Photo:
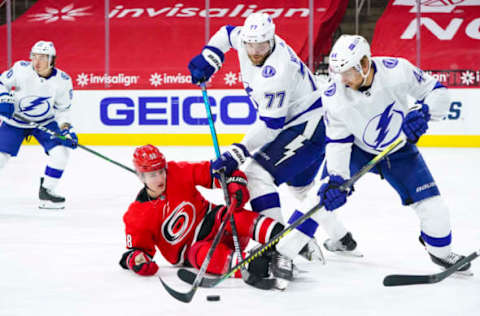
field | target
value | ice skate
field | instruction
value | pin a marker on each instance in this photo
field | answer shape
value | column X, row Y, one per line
column 450, row 260
column 345, row 246
column 312, row 252
column 282, row 269
column 49, row 200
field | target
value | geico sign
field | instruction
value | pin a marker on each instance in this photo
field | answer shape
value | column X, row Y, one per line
column 472, row 29
column 162, row 110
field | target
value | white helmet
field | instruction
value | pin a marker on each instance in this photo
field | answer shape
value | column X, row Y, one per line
column 258, row 27
column 45, row 48
column 347, row 52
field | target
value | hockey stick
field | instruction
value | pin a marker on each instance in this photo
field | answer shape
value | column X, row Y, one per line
column 223, row 181
column 49, row 131
column 188, row 296
column 408, row 279
column 186, row 275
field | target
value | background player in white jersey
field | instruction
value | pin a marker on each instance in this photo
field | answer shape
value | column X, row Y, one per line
column 287, row 141
column 38, row 92
column 366, row 110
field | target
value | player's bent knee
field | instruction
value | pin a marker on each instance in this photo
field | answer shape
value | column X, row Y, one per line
column 58, row 157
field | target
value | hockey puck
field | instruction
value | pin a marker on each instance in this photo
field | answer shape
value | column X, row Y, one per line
column 213, row 298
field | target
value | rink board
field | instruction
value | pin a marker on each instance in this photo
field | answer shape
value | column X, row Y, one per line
column 178, row 118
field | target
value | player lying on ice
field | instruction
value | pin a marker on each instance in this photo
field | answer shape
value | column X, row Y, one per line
column 170, row 213
column 366, row 110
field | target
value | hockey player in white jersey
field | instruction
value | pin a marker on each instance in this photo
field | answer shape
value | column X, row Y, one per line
column 38, row 92
column 367, row 108
column 287, row 141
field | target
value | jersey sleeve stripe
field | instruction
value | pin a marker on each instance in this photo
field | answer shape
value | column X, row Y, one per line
column 312, row 82
column 348, row 139
column 438, row 85
column 273, row 122
column 229, row 29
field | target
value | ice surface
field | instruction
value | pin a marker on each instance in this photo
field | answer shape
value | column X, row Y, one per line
column 66, row 262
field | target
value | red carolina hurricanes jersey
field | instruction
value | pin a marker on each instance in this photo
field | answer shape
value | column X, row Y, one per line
column 170, row 221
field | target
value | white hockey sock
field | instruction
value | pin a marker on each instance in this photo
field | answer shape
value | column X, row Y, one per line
column 58, row 157
column 435, row 224
column 264, row 197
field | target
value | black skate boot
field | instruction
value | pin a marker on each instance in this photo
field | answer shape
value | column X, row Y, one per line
column 282, row 269
column 448, row 261
column 345, row 246
column 48, row 199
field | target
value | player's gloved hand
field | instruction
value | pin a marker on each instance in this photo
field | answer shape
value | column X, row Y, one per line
column 7, row 105
column 237, row 189
column 71, row 139
column 330, row 194
column 229, row 161
column 139, row 262
column 415, row 123
column 203, row 66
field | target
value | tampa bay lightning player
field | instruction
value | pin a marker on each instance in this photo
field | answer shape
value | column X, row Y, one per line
column 367, row 108
column 38, row 92
column 287, row 140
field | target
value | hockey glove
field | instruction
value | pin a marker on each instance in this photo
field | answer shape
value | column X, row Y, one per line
column 230, row 160
column 203, row 66
column 415, row 123
column 237, row 189
column 7, row 105
column 71, row 139
column 139, row 262
column 330, row 194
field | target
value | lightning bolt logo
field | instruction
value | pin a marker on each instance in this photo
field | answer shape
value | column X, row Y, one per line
column 295, row 144
column 383, row 123
column 35, row 103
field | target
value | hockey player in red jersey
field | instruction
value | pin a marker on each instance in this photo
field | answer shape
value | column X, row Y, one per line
column 170, row 214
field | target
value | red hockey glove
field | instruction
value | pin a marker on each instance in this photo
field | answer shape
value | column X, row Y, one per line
column 140, row 263
column 237, row 188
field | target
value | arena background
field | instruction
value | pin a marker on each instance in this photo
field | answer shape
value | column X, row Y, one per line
column 128, row 59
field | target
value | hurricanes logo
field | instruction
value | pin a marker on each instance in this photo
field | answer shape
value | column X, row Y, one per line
column 179, row 223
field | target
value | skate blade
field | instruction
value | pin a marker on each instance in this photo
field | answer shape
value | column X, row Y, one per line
column 48, row 205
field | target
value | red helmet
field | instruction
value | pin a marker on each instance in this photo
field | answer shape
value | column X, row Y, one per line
column 148, row 158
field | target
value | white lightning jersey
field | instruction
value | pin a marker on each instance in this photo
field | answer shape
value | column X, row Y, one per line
column 280, row 89
column 372, row 119
column 38, row 99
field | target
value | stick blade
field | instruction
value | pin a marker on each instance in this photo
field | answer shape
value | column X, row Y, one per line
column 183, row 297
column 403, row 279
column 189, row 277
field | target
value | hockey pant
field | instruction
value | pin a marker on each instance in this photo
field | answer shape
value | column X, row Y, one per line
column 11, row 138
column 249, row 225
